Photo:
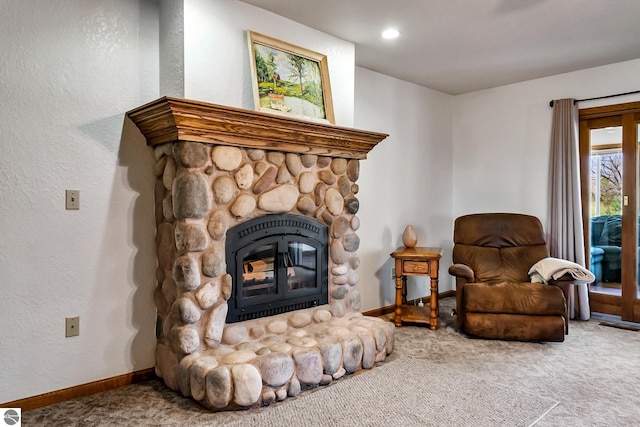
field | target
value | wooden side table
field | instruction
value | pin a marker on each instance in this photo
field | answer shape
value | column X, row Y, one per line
column 416, row 261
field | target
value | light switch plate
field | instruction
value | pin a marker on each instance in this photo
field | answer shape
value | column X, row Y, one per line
column 72, row 199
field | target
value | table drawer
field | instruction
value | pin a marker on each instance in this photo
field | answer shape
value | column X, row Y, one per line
column 415, row 267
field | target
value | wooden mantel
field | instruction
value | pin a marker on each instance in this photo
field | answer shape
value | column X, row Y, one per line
column 173, row 119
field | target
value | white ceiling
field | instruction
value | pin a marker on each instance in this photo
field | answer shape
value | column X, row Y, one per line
column 458, row 46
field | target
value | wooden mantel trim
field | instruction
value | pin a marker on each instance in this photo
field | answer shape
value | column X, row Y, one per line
column 173, row 119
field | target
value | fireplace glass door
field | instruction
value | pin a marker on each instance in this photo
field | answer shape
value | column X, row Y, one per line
column 301, row 266
column 258, row 276
column 277, row 266
column 265, row 264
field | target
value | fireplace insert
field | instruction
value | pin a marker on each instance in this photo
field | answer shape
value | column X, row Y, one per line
column 279, row 263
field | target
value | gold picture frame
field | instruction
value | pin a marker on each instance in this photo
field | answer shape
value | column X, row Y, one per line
column 289, row 80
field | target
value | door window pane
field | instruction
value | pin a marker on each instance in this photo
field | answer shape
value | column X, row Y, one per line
column 606, row 209
column 606, row 171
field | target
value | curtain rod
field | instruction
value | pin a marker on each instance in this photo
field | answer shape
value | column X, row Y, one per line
column 599, row 97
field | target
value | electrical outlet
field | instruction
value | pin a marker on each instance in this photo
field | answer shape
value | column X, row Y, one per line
column 72, row 199
column 72, row 326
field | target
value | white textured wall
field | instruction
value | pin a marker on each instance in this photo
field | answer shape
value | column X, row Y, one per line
column 406, row 179
column 69, row 72
column 171, row 39
column 217, row 66
column 502, row 137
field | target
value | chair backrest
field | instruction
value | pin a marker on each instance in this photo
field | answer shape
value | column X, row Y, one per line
column 597, row 225
column 499, row 246
column 610, row 227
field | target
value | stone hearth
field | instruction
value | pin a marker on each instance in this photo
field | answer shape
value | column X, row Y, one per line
column 217, row 167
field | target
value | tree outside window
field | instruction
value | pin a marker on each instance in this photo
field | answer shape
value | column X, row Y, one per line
column 606, row 183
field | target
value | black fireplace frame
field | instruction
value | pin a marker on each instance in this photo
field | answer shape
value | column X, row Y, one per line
column 278, row 229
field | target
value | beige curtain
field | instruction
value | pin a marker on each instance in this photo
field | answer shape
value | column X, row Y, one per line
column 565, row 231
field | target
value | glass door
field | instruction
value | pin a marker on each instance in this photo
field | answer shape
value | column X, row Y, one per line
column 609, row 168
column 605, row 209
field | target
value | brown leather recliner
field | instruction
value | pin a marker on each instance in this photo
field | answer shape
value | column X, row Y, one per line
column 492, row 255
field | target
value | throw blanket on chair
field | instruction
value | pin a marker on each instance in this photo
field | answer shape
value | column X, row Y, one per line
column 554, row 268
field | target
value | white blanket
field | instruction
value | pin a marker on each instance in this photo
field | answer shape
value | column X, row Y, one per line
column 548, row 268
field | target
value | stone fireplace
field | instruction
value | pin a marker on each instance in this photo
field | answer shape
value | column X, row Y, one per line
column 257, row 293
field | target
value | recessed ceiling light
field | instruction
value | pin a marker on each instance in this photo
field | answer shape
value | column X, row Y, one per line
column 390, row 33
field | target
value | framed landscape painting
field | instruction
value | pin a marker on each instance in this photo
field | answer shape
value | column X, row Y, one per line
column 289, row 80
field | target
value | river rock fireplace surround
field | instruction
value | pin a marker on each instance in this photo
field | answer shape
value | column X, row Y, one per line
column 222, row 174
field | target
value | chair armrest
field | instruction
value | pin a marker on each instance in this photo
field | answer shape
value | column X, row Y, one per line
column 463, row 274
column 463, row 271
column 564, row 283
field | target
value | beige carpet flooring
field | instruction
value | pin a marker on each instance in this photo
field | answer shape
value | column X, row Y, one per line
column 594, row 374
column 409, row 392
